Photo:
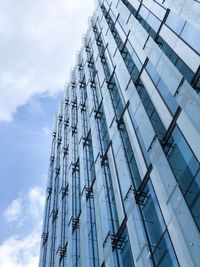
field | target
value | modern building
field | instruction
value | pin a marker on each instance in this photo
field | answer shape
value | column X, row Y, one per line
column 124, row 176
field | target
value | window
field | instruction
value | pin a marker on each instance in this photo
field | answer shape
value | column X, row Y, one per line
column 162, row 88
column 186, row 170
column 175, row 22
column 126, row 254
column 191, row 35
column 160, row 243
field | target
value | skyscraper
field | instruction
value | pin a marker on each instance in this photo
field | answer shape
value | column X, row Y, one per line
column 124, row 174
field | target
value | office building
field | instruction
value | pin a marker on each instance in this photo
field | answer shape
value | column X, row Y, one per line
column 124, row 176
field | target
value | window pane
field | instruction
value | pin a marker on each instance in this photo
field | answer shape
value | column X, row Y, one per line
column 192, row 36
column 175, row 22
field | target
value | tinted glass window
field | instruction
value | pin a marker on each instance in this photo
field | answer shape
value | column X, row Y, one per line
column 167, row 96
column 158, row 235
column 186, row 170
column 192, row 36
column 193, row 198
column 153, row 22
column 175, row 22
column 144, row 12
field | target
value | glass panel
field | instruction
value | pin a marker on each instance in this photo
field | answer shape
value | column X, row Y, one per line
column 160, row 244
column 126, row 253
column 185, row 167
column 167, row 96
column 192, row 36
column 193, row 198
column 144, row 12
column 175, row 22
column 162, row 88
column 151, row 111
column 153, row 22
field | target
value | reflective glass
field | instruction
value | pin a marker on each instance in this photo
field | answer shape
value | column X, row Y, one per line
column 159, row 242
column 175, row 22
column 153, row 22
column 185, row 167
column 192, row 36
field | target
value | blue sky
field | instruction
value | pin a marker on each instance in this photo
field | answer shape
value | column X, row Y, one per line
column 37, row 49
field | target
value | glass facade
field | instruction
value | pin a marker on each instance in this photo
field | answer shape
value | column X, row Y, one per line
column 124, row 176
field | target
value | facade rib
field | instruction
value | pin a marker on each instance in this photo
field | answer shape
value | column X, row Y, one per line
column 124, row 175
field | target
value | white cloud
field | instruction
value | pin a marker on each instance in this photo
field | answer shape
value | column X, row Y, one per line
column 26, row 207
column 20, row 252
column 23, row 250
column 39, row 40
column 36, row 203
column 13, row 211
